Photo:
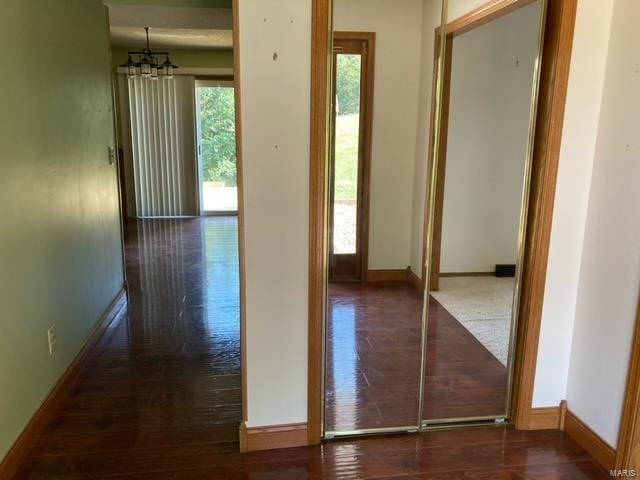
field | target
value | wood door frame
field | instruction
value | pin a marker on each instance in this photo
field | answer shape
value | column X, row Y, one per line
column 321, row 49
column 560, row 23
column 474, row 19
column 629, row 435
column 554, row 79
column 241, row 222
column 365, row 139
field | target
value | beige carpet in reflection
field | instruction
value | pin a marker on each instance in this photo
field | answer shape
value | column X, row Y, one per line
column 483, row 306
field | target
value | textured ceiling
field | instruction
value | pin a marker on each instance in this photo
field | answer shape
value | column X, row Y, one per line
column 171, row 38
column 174, row 3
column 171, row 27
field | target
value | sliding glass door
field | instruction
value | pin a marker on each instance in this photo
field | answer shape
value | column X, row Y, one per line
column 216, row 146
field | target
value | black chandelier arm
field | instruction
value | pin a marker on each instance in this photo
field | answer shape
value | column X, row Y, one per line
column 147, row 52
column 147, row 63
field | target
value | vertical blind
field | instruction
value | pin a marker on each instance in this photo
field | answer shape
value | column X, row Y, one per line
column 162, row 117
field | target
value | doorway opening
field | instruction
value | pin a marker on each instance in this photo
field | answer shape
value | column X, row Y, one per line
column 349, row 166
column 216, row 147
column 178, row 169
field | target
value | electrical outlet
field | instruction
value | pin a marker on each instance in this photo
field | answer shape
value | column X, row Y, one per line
column 53, row 339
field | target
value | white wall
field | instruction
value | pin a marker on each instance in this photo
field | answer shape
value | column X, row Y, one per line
column 398, row 27
column 458, row 8
column 431, row 18
column 491, row 86
column 275, row 142
column 610, row 271
column 588, row 61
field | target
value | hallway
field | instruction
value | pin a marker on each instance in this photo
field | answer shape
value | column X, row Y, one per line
column 163, row 386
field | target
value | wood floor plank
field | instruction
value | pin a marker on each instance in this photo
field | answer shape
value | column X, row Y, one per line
column 159, row 398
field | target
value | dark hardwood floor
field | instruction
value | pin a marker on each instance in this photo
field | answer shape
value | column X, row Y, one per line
column 373, row 356
column 463, row 378
column 160, row 396
column 163, row 385
column 373, row 361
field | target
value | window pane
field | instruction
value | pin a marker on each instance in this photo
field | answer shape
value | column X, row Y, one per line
column 347, row 141
column 218, row 149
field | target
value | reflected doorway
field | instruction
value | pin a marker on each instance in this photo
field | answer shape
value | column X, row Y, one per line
column 216, row 147
column 350, row 155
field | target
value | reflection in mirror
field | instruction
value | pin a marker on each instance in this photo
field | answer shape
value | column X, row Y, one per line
column 383, row 75
column 480, row 179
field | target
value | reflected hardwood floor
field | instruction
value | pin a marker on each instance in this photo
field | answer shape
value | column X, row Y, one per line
column 373, row 356
column 160, row 396
column 462, row 379
column 373, row 361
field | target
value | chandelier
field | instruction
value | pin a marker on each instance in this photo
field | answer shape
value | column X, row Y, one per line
column 145, row 63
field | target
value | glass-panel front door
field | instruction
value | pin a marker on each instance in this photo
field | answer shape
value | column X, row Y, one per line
column 348, row 163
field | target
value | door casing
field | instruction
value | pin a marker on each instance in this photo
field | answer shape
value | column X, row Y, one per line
column 363, row 43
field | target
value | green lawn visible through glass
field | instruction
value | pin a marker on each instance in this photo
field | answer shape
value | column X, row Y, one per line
column 347, row 140
column 346, row 169
column 218, row 148
column 345, row 200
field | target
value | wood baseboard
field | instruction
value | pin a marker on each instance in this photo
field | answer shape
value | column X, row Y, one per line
column 273, row 437
column 414, row 280
column 547, row 418
column 20, row 448
column 604, row 454
column 386, row 276
column 468, row 274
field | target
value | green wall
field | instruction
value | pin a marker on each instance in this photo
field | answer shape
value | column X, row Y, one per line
column 209, row 58
column 60, row 249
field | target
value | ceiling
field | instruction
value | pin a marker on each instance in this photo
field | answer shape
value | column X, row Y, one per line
column 171, row 27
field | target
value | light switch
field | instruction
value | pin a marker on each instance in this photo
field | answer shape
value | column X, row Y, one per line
column 112, row 155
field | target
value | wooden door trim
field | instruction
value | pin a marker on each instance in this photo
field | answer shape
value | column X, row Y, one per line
column 560, row 22
column 241, row 229
column 366, row 128
column 629, row 435
column 554, row 79
column 321, row 40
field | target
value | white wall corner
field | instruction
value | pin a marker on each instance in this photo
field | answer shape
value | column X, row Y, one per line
column 584, row 99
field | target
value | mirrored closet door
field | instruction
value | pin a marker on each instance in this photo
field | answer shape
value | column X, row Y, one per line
column 432, row 120
column 478, row 209
column 384, row 54
column 382, row 85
